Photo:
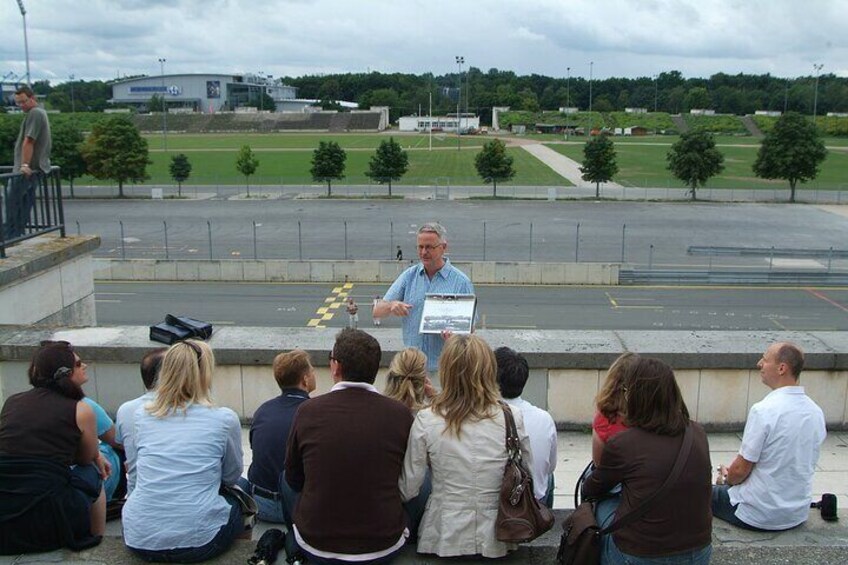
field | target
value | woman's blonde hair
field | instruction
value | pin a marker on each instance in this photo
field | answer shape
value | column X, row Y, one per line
column 610, row 400
column 468, row 371
column 185, row 378
column 407, row 377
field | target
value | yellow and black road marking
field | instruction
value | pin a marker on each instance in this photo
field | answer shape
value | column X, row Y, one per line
column 331, row 305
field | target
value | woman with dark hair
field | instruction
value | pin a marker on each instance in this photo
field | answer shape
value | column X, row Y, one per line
column 51, row 468
column 677, row 526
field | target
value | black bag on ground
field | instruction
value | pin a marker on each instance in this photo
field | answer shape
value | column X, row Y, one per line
column 199, row 329
column 168, row 334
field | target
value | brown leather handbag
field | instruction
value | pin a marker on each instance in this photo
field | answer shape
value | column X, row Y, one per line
column 521, row 518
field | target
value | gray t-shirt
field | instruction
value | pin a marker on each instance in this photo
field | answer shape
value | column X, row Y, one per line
column 37, row 127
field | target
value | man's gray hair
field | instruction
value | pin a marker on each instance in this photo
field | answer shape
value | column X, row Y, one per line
column 436, row 228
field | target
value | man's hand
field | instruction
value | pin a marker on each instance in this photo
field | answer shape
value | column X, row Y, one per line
column 446, row 334
column 721, row 476
column 26, row 171
column 399, row 308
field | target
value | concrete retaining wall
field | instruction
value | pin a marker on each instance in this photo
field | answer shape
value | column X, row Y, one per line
column 338, row 271
column 716, row 370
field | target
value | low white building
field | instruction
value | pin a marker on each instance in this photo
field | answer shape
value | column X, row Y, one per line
column 465, row 123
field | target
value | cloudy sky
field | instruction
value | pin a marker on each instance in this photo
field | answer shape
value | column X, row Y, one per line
column 103, row 39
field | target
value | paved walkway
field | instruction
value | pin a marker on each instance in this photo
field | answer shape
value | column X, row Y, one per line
column 562, row 165
column 816, row 542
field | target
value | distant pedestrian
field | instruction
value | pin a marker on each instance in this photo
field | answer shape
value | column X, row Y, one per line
column 376, row 300
column 399, row 253
column 353, row 313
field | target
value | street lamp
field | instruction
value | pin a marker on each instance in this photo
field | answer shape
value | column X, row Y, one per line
column 591, row 64
column 459, row 61
column 73, row 106
column 817, row 68
column 26, row 43
column 164, row 105
column 568, row 87
column 656, row 92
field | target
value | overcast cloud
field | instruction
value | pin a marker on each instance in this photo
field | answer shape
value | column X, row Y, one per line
column 103, row 39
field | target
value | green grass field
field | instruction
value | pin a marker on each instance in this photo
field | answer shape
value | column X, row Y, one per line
column 644, row 166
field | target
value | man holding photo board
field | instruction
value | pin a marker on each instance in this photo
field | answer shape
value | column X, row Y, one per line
column 433, row 275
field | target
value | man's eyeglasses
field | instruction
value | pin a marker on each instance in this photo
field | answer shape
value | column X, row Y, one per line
column 429, row 247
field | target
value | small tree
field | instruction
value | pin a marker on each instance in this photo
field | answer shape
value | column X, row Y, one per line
column 156, row 103
column 390, row 162
column 599, row 162
column 67, row 151
column 116, row 151
column 792, row 150
column 180, row 170
column 246, row 164
column 328, row 163
column 493, row 164
column 694, row 159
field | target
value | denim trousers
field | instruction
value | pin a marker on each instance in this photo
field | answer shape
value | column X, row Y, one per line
column 21, row 198
column 270, row 510
column 218, row 545
column 612, row 555
column 724, row 510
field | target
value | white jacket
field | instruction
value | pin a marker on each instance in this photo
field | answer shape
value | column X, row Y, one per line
column 466, row 472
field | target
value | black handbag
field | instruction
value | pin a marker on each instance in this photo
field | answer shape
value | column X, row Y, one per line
column 199, row 329
column 178, row 328
column 580, row 543
column 520, row 516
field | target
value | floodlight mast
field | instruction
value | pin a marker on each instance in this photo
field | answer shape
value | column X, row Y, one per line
column 459, row 61
column 817, row 67
column 26, row 42
column 164, row 105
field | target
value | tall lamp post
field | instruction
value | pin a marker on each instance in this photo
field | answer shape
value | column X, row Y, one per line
column 591, row 64
column 459, row 61
column 568, row 87
column 26, row 42
column 817, row 68
column 656, row 92
column 164, row 105
column 73, row 106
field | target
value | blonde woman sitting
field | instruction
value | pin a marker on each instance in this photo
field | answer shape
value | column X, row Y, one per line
column 407, row 381
column 460, row 438
column 185, row 449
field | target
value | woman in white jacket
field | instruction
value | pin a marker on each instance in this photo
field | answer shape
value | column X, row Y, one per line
column 461, row 437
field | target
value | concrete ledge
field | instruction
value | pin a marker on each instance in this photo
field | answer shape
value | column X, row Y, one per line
column 366, row 271
column 33, row 256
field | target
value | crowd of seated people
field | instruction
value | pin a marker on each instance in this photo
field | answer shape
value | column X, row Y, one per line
column 356, row 474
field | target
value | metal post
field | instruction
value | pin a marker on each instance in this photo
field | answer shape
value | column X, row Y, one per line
column 771, row 257
column 254, row 241
column 299, row 242
column 818, row 68
column 531, row 242
column 484, row 241
column 123, row 248
column 623, row 230
column 166, row 240
column 26, row 42
column 829, row 258
column 209, row 230
column 651, row 257
column 164, row 106
column 577, row 244
column 345, row 239
column 391, row 239
column 459, row 61
column 79, row 231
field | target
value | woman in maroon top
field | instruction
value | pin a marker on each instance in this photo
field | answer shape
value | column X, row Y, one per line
column 609, row 417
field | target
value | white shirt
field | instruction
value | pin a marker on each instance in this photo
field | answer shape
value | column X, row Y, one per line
column 543, row 443
column 124, row 425
column 783, row 436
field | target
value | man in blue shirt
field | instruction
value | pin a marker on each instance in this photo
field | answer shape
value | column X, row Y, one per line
column 433, row 275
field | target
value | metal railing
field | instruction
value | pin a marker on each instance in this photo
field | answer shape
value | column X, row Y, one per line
column 29, row 206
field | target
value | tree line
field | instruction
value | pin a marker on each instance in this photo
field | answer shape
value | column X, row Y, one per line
column 407, row 94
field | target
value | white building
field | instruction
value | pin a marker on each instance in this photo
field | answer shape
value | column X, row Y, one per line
column 465, row 123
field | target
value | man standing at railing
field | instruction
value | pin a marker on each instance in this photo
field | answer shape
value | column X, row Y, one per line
column 32, row 159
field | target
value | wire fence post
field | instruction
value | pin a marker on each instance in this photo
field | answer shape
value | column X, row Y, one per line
column 209, row 231
column 299, row 242
column 829, row 258
column 651, row 258
column 79, row 230
column 123, row 247
column 345, row 240
column 484, row 241
column 577, row 244
column 771, row 257
column 391, row 238
column 531, row 242
column 623, row 230
column 255, row 256
column 167, row 255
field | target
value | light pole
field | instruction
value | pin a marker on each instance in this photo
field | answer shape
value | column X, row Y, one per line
column 26, row 42
column 591, row 64
column 459, row 61
column 164, row 105
column 73, row 106
column 786, row 97
column 568, row 87
column 656, row 92
column 817, row 68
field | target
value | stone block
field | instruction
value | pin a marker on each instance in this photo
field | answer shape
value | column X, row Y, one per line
column 121, row 270
column 362, row 271
column 576, row 273
column 688, row 381
column 536, row 390
column 254, row 271
column 389, row 270
column 165, row 270
column 322, row 271
column 188, row 270
column 276, row 271
column 102, row 269
column 232, row 271
column 571, row 394
column 209, row 271
column 722, row 397
column 506, row 273
column 143, row 270
column 828, row 389
column 227, row 388
column 42, row 295
column 300, row 271
column 481, row 272
column 552, row 273
column 13, row 378
column 259, row 386
column 756, row 389
column 114, row 384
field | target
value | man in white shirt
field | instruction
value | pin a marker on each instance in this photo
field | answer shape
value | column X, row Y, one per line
column 769, row 484
column 125, row 417
column 513, row 372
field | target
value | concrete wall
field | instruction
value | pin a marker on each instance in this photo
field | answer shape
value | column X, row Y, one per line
column 516, row 272
column 48, row 281
column 716, row 370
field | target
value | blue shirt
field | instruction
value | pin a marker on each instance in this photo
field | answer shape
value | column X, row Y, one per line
column 411, row 287
column 104, row 424
column 124, row 427
column 181, row 460
column 268, row 435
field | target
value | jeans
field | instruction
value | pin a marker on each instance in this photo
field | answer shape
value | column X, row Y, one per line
column 549, row 495
column 218, row 545
column 611, row 555
column 270, row 510
column 724, row 510
column 415, row 507
column 21, row 198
